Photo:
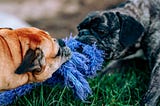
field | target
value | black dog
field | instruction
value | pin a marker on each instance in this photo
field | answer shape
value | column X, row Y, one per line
column 128, row 32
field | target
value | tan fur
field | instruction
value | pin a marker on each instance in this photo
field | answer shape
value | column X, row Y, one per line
column 13, row 47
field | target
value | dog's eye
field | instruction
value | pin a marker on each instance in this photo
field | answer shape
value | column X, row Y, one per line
column 102, row 29
column 99, row 31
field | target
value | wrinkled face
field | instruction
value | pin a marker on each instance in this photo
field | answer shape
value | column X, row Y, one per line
column 32, row 55
column 112, row 32
column 61, row 53
column 44, row 56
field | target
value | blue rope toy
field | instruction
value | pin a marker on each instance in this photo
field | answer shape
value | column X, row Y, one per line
column 84, row 63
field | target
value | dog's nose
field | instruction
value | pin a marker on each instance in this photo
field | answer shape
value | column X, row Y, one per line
column 61, row 43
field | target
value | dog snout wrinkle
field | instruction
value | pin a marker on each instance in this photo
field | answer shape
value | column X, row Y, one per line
column 84, row 32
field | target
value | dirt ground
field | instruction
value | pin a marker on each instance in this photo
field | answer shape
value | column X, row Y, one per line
column 58, row 17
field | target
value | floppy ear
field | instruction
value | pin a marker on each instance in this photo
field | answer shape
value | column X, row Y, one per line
column 130, row 30
column 92, row 17
column 32, row 62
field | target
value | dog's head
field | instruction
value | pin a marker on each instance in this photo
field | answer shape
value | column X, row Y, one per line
column 43, row 56
column 112, row 32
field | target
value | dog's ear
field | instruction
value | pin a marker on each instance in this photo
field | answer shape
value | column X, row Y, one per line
column 89, row 20
column 130, row 30
column 32, row 62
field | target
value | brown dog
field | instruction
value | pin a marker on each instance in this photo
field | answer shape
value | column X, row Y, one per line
column 29, row 55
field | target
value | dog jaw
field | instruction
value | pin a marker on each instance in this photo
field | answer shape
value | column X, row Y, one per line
column 52, row 64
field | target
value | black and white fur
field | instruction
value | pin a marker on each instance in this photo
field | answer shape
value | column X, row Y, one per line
column 125, row 32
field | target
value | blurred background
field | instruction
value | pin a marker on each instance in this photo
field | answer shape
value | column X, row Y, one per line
column 58, row 17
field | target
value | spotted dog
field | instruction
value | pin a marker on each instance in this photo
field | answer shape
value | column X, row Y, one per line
column 125, row 32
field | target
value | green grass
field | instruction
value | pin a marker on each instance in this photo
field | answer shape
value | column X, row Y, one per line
column 118, row 89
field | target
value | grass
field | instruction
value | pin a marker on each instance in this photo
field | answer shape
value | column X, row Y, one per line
column 117, row 89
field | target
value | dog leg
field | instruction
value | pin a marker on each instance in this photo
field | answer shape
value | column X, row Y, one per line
column 115, row 64
column 153, row 93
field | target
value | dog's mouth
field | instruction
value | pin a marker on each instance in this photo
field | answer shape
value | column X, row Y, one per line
column 63, row 51
column 89, row 37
